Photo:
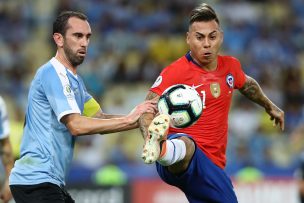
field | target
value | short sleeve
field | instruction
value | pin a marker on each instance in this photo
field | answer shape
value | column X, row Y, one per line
column 91, row 107
column 59, row 93
column 240, row 76
column 166, row 79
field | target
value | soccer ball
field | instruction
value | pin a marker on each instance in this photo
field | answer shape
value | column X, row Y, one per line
column 182, row 103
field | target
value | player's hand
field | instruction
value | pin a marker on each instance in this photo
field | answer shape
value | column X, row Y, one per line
column 6, row 194
column 148, row 106
column 277, row 116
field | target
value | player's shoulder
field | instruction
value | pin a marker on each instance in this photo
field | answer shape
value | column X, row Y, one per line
column 44, row 68
column 228, row 59
column 180, row 63
column 230, row 62
column 49, row 70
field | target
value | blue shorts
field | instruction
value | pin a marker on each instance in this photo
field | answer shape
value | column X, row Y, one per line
column 203, row 181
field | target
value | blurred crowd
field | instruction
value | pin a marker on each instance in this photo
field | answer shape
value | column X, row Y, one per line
column 132, row 42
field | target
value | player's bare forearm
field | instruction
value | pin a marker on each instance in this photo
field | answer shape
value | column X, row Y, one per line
column 102, row 115
column 146, row 119
column 253, row 91
column 81, row 125
column 6, row 155
column 144, row 122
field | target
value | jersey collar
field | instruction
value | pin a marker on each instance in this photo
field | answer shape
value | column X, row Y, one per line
column 190, row 59
column 61, row 68
column 58, row 66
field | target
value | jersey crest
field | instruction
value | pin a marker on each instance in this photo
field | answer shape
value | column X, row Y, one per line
column 230, row 80
column 215, row 89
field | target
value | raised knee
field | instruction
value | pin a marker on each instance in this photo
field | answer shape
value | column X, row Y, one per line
column 183, row 164
column 190, row 148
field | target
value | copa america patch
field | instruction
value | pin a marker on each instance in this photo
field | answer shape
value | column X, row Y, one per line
column 67, row 91
column 230, row 80
column 157, row 82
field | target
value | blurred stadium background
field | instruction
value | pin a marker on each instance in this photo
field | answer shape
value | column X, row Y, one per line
column 132, row 41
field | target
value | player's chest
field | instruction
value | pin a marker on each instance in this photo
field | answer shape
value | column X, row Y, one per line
column 78, row 91
column 213, row 87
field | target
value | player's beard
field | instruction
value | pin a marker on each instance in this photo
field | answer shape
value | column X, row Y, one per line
column 72, row 56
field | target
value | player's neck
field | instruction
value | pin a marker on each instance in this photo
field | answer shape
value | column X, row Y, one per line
column 210, row 66
column 62, row 59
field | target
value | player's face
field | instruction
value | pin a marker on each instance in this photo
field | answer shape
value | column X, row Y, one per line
column 76, row 40
column 204, row 40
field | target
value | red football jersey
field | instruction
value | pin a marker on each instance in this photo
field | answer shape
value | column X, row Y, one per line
column 215, row 88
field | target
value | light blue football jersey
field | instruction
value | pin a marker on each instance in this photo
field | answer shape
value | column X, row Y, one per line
column 4, row 122
column 47, row 145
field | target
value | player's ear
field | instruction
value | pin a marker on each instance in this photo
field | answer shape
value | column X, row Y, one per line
column 58, row 38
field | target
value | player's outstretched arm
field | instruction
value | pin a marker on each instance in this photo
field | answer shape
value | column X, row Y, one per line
column 6, row 155
column 253, row 91
column 146, row 118
column 82, row 125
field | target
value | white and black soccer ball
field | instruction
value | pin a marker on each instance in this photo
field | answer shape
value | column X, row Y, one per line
column 182, row 103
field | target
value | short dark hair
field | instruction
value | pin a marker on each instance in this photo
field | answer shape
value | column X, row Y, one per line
column 203, row 12
column 60, row 24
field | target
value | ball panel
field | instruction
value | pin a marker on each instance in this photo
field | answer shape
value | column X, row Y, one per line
column 196, row 107
column 162, row 106
column 182, row 103
column 180, row 119
column 179, row 97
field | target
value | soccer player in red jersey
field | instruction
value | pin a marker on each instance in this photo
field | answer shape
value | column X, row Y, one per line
column 193, row 158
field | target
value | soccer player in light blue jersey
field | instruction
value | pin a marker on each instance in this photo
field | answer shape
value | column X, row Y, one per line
column 60, row 109
column 6, row 152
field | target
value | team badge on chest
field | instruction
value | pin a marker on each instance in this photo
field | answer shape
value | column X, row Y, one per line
column 230, row 80
column 215, row 89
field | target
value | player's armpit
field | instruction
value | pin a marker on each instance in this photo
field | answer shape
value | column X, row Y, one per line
column 145, row 120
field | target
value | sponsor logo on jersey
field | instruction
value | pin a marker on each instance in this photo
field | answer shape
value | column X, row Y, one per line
column 215, row 89
column 230, row 80
column 197, row 86
column 157, row 82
